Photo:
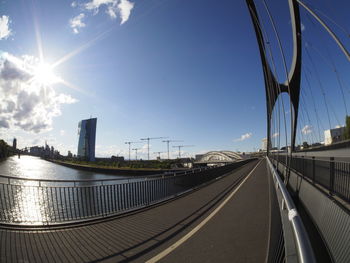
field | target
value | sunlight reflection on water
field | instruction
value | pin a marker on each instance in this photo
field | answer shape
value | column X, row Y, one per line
column 34, row 167
column 24, row 201
column 30, row 205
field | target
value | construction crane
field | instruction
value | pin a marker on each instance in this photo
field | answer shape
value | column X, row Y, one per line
column 136, row 149
column 167, row 142
column 130, row 145
column 182, row 146
column 148, row 139
column 159, row 154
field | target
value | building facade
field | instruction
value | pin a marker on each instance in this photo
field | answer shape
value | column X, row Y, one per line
column 264, row 144
column 87, row 139
column 14, row 144
column 334, row 135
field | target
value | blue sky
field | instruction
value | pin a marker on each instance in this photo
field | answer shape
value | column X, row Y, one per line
column 188, row 70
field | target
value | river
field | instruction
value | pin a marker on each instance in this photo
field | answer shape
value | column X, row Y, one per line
column 37, row 168
column 38, row 202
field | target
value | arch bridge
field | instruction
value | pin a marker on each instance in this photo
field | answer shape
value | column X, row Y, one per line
column 218, row 157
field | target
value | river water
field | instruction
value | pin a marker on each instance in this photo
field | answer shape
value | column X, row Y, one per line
column 37, row 168
column 23, row 201
column 41, row 202
column 34, row 202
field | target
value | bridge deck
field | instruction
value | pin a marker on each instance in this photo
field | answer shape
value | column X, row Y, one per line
column 237, row 232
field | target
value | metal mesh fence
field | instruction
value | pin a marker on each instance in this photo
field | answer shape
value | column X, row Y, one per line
column 332, row 175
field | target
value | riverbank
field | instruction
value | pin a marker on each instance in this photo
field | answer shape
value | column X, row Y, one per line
column 114, row 170
column 5, row 150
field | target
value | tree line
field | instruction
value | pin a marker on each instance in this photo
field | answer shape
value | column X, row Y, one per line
column 5, row 150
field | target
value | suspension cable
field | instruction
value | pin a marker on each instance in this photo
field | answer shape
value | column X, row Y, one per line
column 320, row 85
column 318, row 121
column 303, row 96
column 333, row 35
column 334, row 69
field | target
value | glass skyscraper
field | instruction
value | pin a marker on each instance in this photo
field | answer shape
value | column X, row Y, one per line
column 87, row 139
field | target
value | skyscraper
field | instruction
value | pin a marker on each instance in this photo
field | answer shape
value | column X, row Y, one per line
column 14, row 144
column 264, row 144
column 87, row 139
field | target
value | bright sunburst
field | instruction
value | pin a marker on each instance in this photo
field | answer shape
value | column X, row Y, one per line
column 43, row 74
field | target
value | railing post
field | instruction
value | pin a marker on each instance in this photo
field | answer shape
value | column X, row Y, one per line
column 313, row 169
column 331, row 176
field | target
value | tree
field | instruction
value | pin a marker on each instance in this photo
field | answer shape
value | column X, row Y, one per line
column 347, row 128
column 4, row 149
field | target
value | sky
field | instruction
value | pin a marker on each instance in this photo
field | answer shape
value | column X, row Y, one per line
column 185, row 70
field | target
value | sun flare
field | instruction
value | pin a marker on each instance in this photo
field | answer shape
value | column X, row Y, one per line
column 43, row 74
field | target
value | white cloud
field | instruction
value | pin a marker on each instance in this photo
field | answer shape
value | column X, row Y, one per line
column 25, row 103
column 112, row 11
column 302, row 27
column 113, row 8
column 125, row 8
column 275, row 135
column 306, row 129
column 76, row 23
column 108, row 151
column 95, row 4
column 74, row 4
column 62, row 132
column 5, row 30
column 244, row 137
column 144, row 149
column 111, row 5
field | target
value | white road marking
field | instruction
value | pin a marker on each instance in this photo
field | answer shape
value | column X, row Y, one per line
column 200, row 225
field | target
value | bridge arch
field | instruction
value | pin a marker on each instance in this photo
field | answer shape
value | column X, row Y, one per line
column 291, row 86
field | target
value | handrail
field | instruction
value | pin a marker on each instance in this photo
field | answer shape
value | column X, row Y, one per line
column 303, row 245
column 102, row 180
column 309, row 157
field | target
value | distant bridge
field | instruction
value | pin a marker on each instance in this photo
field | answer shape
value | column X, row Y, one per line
column 218, row 157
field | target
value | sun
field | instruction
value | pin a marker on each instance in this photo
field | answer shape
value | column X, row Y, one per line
column 43, row 74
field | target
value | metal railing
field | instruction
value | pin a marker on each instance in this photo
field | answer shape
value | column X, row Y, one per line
column 302, row 243
column 332, row 175
column 45, row 202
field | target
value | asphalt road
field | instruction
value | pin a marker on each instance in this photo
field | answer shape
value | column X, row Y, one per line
column 238, row 232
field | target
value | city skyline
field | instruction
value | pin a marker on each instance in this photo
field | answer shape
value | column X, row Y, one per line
column 144, row 69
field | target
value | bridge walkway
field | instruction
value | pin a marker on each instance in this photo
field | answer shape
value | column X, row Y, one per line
column 237, row 229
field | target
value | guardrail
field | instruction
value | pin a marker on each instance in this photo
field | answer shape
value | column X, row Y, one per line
column 301, row 240
column 332, row 175
column 46, row 202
